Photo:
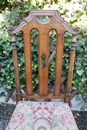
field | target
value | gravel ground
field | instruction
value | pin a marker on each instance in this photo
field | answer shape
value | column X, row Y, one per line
column 6, row 111
column 81, row 119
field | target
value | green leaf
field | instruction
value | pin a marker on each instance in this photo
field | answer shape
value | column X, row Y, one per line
column 33, row 2
column 0, row 53
column 85, row 48
column 79, row 72
column 2, row 94
column 9, row 87
column 2, row 1
column 78, row 98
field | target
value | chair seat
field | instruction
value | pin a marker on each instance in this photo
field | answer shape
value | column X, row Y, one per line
column 42, row 116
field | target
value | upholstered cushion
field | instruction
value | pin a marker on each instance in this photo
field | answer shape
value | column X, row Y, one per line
column 42, row 116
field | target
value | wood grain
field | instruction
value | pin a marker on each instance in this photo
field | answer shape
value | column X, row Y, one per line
column 49, row 96
column 28, row 62
column 58, row 67
column 43, row 72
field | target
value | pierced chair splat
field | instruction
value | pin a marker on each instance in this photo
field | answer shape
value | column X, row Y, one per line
column 33, row 115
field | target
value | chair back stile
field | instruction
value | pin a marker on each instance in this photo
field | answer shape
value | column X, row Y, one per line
column 71, row 68
column 16, row 71
column 60, row 26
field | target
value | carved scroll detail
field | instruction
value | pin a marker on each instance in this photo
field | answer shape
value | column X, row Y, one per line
column 73, row 31
column 53, row 13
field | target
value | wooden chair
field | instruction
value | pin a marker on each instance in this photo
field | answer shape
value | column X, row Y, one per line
column 31, row 115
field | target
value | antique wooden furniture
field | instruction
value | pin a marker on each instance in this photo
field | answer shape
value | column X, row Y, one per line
column 60, row 26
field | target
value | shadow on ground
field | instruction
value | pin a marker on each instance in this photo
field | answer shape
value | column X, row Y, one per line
column 6, row 111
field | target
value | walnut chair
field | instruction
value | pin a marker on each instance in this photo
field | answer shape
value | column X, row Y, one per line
column 33, row 115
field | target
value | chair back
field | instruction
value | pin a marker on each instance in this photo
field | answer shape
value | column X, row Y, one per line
column 60, row 26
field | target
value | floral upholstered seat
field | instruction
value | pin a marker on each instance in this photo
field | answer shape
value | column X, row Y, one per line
column 42, row 116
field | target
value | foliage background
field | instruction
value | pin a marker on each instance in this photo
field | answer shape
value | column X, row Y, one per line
column 13, row 11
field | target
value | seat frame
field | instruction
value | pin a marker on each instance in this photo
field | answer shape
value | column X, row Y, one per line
column 60, row 26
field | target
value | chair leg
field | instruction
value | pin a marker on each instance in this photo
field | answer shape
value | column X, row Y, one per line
column 68, row 98
column 18, row 97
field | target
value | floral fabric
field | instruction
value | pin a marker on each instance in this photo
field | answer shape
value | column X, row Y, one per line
column 42, row 116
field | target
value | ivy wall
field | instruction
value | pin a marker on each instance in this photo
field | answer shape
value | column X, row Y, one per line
column 13, row 11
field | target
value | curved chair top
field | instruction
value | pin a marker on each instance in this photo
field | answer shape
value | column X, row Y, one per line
column 53, row 13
